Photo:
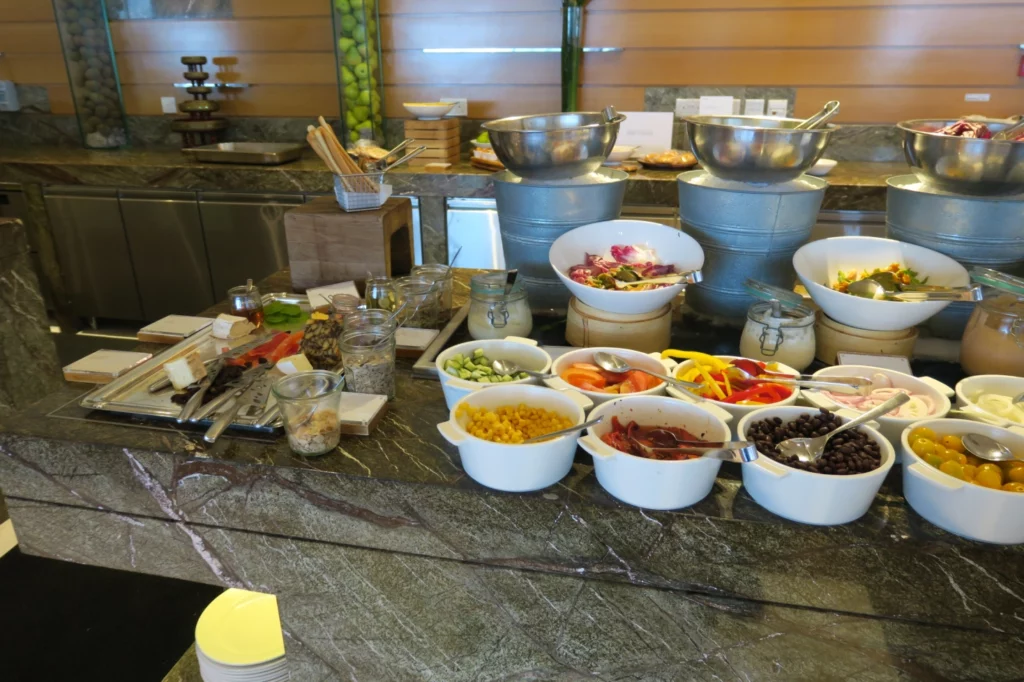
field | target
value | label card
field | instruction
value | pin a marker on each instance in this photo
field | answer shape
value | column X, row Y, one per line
column 651, row 131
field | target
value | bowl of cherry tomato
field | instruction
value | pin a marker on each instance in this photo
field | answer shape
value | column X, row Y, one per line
column 958, row 492
column 576, row 369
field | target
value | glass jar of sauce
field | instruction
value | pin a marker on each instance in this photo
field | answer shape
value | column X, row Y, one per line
column 495, row 313
column 779, row 328
column 993, row 341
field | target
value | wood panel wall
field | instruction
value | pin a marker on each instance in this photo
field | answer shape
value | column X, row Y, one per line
column 884, row 59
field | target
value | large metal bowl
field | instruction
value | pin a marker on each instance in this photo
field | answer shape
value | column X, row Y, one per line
column 963, row 165
column 553, row 146
column 758, row 149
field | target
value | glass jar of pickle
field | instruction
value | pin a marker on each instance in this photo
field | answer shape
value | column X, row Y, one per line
column 495, row 313
column 381, row 294
column 443, row 276
column 422, row 301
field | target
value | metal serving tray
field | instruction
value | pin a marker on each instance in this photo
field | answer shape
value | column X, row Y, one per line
column 129, row 393
column 260, row 153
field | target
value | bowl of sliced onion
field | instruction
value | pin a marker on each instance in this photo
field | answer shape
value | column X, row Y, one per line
column 929, row 399
column 989, row 398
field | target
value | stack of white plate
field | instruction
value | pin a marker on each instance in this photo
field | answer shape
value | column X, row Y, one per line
column 238, row 639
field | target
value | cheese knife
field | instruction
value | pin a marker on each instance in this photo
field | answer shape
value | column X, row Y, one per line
column 234, row 404
column 197, row 398
column 236, row 387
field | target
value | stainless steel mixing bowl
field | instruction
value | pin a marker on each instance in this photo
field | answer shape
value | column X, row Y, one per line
column 963, row 165
column 553, row 146
column 755, row 148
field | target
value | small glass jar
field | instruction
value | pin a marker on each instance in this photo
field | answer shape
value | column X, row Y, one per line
column 369, row 357
column 370, row 318
column 343, row 305
column 993, row 342
column 246, row 302
column 776, row 334
column 311, row 410
column 422, row 301
column 444, row 276
column 493, row 314
column 381, row 293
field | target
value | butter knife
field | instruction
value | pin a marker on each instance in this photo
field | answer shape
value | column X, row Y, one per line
column 231, row 408
column 197, row 398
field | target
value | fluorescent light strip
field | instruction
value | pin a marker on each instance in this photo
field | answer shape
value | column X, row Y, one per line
column 510, row 50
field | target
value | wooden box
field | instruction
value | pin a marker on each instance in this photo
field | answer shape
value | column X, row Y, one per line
column 441, row 139
column 326, row 245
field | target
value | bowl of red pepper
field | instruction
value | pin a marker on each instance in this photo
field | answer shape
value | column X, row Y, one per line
column 738, row 397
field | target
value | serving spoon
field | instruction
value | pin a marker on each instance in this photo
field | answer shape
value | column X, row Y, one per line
column 878, row 289
column 847, row 385
column 563, row 432
column 690, row 277
column 616, row 365
column 985, row 448
column 510, row 367
column 727, row 451
column 810, row 449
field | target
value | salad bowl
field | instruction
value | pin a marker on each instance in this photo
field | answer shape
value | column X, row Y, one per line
column 642, row 246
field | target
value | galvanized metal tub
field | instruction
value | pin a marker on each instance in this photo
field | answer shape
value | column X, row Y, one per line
column 973, row 230
column 533, row 215
column 746, row 231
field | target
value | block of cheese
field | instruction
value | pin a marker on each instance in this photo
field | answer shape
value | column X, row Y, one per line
column 185, row 371
column 293, row 364
column 231, row 327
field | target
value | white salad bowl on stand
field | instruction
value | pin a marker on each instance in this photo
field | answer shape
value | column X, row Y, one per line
column 806, row 496
column 654, row 483
column 962, row 508
column 818, row 263
column 671, row 246
column 890, row 427
column 509, row 467
column 524, row 352
column 737, row 412
column 651, row 361
column 968, row 390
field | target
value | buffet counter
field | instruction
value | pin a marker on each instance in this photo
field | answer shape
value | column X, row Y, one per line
column 853, row 185
column 389, row 563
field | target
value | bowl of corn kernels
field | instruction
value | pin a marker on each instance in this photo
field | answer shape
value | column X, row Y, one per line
column 489, row 429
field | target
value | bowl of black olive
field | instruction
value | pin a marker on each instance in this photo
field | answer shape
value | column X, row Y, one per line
column 836, row 488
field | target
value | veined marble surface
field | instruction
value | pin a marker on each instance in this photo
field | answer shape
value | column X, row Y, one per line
column 852, row 184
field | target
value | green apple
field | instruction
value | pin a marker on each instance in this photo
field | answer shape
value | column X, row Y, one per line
column 361, row 49
column 377, row 119
column 348, row 23
column 351, row 91
column 350, row 120
column 361, row 113
column 347, row 77
column 353, row 135
column 371, row 59
column 345, row 44
column 373, row 83
column 342, row 6
column 359, row 33
column 361, row 71
column 353, row 58
column 375, row 107
column 364, row 97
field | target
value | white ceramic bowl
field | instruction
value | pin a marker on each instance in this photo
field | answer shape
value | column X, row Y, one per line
column 651, row 361
column 671, row 246
column 428, row 110
column 523, row 352
column 963, row 508
column 818, row 263
column 890, row 427
column 736, row 411
column 804, row 496
column 621, row 152
column 650, row 483
column 516, row 468
column 969, row 389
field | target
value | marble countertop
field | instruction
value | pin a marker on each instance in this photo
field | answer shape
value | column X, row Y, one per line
column 390, row 563
column 852, row 185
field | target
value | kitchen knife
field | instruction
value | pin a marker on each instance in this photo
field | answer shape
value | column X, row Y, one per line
column 197, row 398
column 233, row 405
column 236, row 387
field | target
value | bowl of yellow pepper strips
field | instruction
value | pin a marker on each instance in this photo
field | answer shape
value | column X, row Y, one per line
column 738, row 397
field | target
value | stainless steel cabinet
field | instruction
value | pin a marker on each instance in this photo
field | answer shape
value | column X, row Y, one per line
column 165, row 238
column 244, row 235
column 93, row 251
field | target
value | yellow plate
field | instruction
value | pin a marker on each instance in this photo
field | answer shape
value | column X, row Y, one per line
column 241, row 628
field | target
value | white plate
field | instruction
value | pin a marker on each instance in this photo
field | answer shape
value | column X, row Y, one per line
column 822, row 167
column 241, row 628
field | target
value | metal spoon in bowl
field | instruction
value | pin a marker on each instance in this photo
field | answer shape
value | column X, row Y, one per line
column 616, row 365
column 510, row 367
column 562, row 432
column 878, row 290
column 987, row 449
column 1010, row 131
column 1018, row 400
column 847, row 385
column 690, row 277
column 810, row 449
column 819, row 119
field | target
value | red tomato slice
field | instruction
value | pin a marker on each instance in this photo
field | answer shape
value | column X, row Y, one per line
column 587, row 366
column 578, row 376
column 639, row 380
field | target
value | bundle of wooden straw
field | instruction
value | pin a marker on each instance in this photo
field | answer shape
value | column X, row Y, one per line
column 326, row 145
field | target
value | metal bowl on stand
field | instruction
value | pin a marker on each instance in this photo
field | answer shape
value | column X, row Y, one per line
column 963, row 165
column 759, row 149
column 554, row 146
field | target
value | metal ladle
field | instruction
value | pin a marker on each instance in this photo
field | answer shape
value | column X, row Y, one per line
column 874, row 288
column 819, row 119
column 616, row 365
column 810, row 449
column 987, row 449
